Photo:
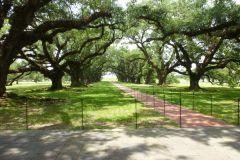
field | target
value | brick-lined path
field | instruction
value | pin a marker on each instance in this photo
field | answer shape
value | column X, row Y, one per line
column 172, row 111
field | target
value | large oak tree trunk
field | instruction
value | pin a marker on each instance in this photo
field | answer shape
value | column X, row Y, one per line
column 75, row 81
column 76, row 74
column 138, row 81
column 149, row 77
column 3, row 79
column 194, row 82
column 76, row 78
column 56, row 81
column 132, row 80
column 5, row 62
column 162, row 78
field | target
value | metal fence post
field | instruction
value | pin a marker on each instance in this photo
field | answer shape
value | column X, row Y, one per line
column 238, row 112
column 26, row 113
column 143, row 98
column 136, row 115
column 163, row 91
column 82, row 113
column 193, row 101
column 154, row 97
column 164, row 104
column 211, row 106
column 153, row 89
column 171, row 92
column 137, row 93
column 180, row 111
column 146, row 96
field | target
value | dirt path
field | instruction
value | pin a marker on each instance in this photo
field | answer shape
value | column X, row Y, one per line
column 188, row 118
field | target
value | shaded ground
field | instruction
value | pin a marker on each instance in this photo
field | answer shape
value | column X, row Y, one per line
column 16, row 111
column 215, row 143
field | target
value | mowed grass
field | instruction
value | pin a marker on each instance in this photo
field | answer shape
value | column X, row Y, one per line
column 104, row 106
column 220, row 102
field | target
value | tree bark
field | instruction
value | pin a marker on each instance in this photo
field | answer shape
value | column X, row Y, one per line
column 75, row 82
column 4, row 68
column 132, row 80
column 3, row 80
column 21, row 17
column 194, row 82
column 162, row 78
column 56, row 82
column 138, row 81
column 76, row 78
column 149, row 77
column 76, row 74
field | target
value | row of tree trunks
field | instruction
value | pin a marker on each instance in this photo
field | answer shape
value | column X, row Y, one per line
column 77, row 77
column 194, row 80
column 75, row 81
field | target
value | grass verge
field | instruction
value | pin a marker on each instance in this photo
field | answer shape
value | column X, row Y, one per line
column 104, row 106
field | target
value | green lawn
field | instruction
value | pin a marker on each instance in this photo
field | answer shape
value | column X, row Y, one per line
column 104, row 106
column 224, row 99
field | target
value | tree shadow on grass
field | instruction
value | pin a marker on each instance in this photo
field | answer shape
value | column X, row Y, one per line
column 12, row 114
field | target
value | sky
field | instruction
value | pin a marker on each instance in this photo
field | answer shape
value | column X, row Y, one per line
column 123, row 3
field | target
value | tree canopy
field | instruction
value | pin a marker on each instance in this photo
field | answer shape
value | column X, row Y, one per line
column 80, row 39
